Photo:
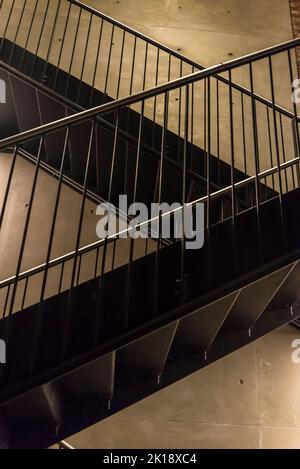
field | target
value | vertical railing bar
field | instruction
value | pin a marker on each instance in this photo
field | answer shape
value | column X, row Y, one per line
column 73, row 53
column 159, row 197
column 51, row 41
column 109, row 61
column 205, row 122
column 121, row 64
column 100, row 287
column 256, row 158
column 84, row 57
column 79, row 269
column 277, row 152
column 28, row 35
column 96, row 263
column 96, row 64
column 283, row 151
column 55, row 211
column 275, row 129
column 296, row 127
column 270, row 146
column 184, row 190
column 39, row 39
column 133, row 65
column 145, row 66
column 24, row 293
column 208, row 170
column 62, row 45
column 155, row 97
column 218, row 130
column 8, row 185
column 6, row 301
column 179, row 116
column 192, row 122
column 232, row 169
column 78, row 237
column 61, row 277
column 17, row 33
column 24, row 237
column 132, row 240
column 7, row 25
column 244, row 133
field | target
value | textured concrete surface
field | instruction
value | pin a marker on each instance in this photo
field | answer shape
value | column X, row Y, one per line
column 249, row 399
column 39, row 229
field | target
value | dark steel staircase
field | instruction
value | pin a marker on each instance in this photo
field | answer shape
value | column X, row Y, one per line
column 99, row 327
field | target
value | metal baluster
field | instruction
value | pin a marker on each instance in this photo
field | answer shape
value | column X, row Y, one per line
column 16, row 34
column 256, row 158
column 184, row 192
column 61, row 277
column 159, row 197
column 270, row 146
column 62, row 46
column 49, row 249
column 192, row 123
column 84, row 58
column 39, row 39
column 28, row 36
column 296, row 126
column 179, row 118
column 73, row 53
column 277, row 149
column 8, row 185
column 100, row 287
column 7, row 25
column 136, row 179
column 78, row 238
column 155, row 97
column 244, row 135
column 283, row 153
column 121, row 63
column 6, row 301
column 218, row 130
column 24, row 237
column 208, row 173
column 44, row 74
column 24, row 293
column 232, row 171
column 109, row 61
column 96, row 64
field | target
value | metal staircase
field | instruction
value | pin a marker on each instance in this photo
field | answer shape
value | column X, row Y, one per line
column 92, row 326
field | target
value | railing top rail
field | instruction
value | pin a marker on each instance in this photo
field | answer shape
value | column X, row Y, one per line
column 170, row 51
column 152, row 92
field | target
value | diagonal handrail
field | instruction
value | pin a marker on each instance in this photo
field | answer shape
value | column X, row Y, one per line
column 97, row 244
column 155, row 91
column 178, row 55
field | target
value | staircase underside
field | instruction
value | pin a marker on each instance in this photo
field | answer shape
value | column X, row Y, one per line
column 155, row 349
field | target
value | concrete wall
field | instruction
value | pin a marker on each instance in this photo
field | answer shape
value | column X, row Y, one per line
column 249, row 399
